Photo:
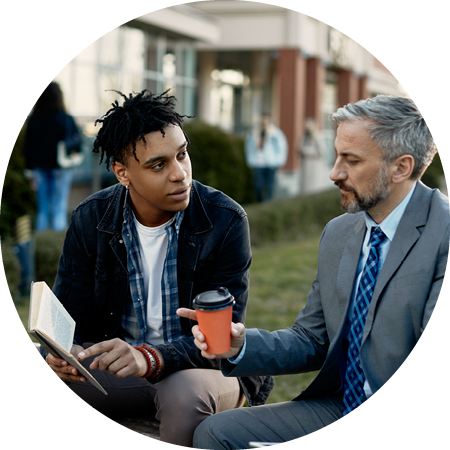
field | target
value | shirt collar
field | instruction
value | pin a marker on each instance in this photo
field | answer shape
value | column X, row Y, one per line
column 390, row 224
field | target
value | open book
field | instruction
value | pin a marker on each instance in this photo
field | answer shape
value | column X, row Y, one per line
column 53, row 327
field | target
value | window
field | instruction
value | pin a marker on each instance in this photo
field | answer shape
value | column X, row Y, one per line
column 128, row 59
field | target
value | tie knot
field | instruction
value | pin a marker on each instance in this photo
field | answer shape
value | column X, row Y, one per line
column 377, row 236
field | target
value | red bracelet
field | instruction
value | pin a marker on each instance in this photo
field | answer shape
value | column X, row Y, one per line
column 149, row 361
column 158, row 361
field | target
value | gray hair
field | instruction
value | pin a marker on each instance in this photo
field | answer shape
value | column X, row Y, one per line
column 397, row 127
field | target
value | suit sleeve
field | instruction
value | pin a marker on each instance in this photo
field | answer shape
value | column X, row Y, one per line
column 298, row 349
column 231, row 269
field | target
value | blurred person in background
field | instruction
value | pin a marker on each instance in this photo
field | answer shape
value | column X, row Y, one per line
column 47, row 125
column 311, row 153
column 266, row 150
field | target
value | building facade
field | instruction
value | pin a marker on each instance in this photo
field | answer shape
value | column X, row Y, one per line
column 272, row 59
column 227, row 62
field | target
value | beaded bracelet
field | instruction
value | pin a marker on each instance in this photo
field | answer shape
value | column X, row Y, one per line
column 150, row 360
column 156, row 358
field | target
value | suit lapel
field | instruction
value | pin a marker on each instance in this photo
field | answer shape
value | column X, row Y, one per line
column 407, row 234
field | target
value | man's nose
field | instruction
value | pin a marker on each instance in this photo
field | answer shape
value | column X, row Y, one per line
column 178, row 172
column 338, row 173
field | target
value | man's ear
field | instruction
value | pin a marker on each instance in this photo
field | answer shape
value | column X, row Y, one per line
column 120, row 171
column 403, row 167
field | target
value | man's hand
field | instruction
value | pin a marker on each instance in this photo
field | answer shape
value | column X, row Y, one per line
column 237, row 336
column 118, row 357
column 62, row 367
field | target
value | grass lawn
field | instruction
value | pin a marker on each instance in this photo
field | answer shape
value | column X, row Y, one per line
column 280, row 280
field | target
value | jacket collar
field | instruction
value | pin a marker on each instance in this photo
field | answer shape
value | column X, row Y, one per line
column 419, row 206
column 196, row 219
column 111, row 222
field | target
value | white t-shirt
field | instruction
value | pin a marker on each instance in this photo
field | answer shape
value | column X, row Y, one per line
column 153, row 249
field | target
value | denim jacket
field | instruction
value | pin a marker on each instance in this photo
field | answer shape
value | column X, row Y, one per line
column 213, row 251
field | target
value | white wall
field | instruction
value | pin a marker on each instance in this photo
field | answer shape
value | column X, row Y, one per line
column 253, row 32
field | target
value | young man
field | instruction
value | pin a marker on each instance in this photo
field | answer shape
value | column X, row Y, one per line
column 133, row 254
column 380, row 271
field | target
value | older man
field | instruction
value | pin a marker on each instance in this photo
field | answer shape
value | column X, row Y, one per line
column 380, row 270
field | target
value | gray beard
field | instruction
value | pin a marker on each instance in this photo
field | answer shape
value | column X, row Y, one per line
column 380, row 192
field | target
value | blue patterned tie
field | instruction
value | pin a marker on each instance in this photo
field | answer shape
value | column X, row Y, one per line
column 354, row 377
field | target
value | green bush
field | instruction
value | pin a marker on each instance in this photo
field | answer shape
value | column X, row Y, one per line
column 218, row 160
column 431, row 177
column 441, row 163
column 10, row 273
column 12, row 266
column 49, row 247
column 18, row 198
column 290, row 219
column 434, row 173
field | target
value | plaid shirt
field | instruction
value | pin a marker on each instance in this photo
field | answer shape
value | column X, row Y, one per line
column 134, row 317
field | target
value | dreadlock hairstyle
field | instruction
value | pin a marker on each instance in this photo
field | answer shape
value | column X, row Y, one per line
column 139, row 115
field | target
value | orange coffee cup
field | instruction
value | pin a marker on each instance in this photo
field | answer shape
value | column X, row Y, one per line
column 214, row 315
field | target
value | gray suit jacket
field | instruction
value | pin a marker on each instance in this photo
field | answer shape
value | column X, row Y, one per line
column 404, row 298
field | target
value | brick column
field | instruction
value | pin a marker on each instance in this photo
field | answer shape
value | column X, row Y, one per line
column 315, row 79
column 291, row 75
column 363, row 90
column 347, row 87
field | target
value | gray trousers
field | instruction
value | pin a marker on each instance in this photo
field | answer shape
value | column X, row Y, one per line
column 279, row 422
column 180, row 402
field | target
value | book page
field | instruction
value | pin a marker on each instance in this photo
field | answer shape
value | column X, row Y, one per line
column 35, row 303
column 55, row 321
column 54, row 328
